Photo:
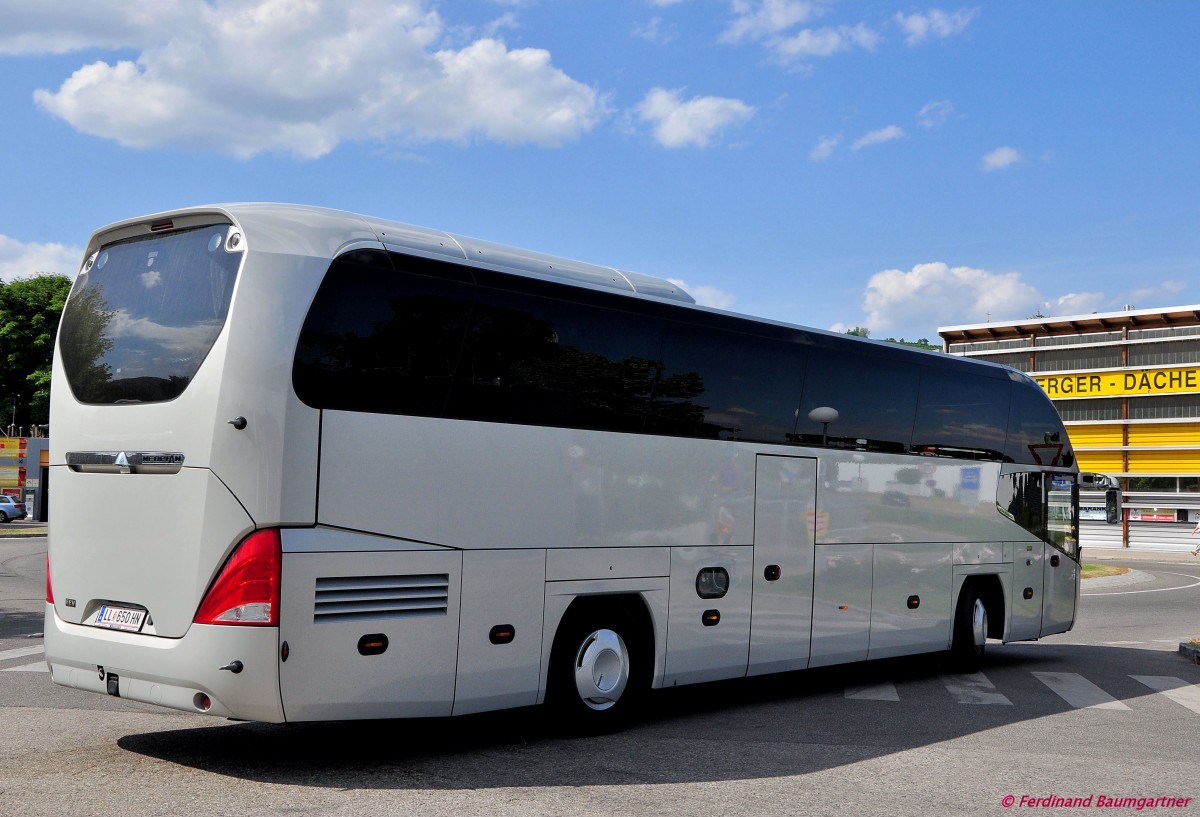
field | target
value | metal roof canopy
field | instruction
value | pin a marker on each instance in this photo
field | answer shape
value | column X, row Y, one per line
column 1162, row 318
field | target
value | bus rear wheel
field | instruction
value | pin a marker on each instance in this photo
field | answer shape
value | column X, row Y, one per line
column 970, row 630
column 598, row 675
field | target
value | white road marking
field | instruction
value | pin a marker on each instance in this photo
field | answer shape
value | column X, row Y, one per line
column 885, row 691
column 1078, row 691
column 1152, row 590
column 1177, row 689
column 973, row 689
column 21, row 652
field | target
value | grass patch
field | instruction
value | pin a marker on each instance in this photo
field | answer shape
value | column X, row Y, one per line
column 1094, row 571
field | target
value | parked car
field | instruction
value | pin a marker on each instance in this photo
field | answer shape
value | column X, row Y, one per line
column 11, row 508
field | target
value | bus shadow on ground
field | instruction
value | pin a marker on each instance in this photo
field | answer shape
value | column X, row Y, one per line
column 781, row 725
column 20, row 624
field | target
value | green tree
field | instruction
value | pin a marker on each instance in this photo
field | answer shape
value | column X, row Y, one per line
column 923, row 343
column 30, row 309
column 859, row 331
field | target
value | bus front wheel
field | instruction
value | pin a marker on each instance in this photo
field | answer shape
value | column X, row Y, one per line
column 970, row 629
column 598, row 675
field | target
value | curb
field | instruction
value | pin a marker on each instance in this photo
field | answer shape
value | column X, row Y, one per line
column 1190, row 651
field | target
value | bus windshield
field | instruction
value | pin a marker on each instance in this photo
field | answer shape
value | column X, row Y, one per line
column 143, row 315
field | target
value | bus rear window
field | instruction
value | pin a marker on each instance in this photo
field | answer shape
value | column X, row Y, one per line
column 141, row 319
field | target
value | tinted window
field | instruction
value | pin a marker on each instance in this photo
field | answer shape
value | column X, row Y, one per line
column 720, row 383
column 961, row 414
column 382, row 340
column 876, row 401
column 1035, row 433
column 422, row 337
column 139, row 323
column 1044, row 504
column 541, row 360
column 1020, row 497
column 1062, row 505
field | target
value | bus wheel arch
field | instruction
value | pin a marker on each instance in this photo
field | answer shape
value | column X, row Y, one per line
column 978, row 615
column 601, row 662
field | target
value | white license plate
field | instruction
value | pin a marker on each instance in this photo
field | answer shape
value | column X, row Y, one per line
column 120, row 618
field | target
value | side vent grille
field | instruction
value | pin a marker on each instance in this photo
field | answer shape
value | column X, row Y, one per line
column 375, row 597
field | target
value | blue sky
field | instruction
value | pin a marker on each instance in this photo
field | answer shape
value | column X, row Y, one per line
column 891, row 165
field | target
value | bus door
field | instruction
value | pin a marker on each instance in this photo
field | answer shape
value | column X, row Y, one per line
column 784, row 529
column 1025, row 621
column 1061, row 583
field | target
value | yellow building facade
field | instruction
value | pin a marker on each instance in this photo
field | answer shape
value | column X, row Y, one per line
column 1127, row 385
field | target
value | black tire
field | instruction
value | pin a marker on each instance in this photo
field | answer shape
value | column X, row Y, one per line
column 3, row 517
column 970, row 630
column 599, row 671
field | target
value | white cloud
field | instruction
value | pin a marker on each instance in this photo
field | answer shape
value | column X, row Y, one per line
column 1163, row 294
column 935, row 114
column 1000, row 158
column 677, row 123
column 21, row 260
column 824, row 148
column 935, row 23
column 824, row 42
column 1074, row 303
column 880, row 136
column 506, row 20
column 299, row 76
column 936, row 294
column 707, row 295
column 654, row 30
column 63, row 26
column 760, row 19
column 774, row 22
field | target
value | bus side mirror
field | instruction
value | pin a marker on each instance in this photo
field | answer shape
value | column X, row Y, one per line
column 1112, row 506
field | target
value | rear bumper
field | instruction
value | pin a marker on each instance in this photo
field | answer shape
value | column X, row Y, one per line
column 172, row 671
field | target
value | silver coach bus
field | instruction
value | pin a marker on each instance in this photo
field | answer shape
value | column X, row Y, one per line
column 313, row 465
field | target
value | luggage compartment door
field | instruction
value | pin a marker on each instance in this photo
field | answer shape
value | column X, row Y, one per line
column 369, row 634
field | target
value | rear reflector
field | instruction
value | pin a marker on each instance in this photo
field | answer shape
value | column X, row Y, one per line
column 49, row 588
column 247, row 589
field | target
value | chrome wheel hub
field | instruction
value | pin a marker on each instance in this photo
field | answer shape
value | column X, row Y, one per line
column 601, row 669
column 979, row 623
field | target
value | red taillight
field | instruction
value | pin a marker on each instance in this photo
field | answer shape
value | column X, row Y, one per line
column 49, row 589
column 247, row 589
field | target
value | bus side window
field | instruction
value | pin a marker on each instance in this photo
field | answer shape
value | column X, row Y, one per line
column 876, row 402
column 731, row 385
column 1020, row 497
column 381, row 340
column 960, row 414
column 540, row 360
